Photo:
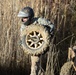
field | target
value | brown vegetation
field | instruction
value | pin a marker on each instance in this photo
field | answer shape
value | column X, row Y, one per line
column 61, row 12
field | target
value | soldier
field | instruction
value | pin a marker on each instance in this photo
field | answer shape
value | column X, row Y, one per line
column 27, row 18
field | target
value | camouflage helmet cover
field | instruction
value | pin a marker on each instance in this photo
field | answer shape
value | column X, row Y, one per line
column 26, row 12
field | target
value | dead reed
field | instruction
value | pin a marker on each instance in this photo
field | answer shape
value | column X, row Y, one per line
column 57, row 11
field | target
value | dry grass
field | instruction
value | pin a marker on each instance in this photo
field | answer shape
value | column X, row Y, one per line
column 55, row 10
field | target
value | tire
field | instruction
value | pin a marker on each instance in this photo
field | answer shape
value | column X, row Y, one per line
column 35, row 39
column 65, row 70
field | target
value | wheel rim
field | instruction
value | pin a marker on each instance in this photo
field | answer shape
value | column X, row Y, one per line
column 34, row 40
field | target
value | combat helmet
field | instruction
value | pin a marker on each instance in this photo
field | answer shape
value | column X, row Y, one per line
column 26, row 12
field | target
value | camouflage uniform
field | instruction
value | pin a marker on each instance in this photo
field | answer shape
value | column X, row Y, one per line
column 41, row 21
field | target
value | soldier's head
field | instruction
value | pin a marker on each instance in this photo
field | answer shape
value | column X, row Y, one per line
column 26, row 14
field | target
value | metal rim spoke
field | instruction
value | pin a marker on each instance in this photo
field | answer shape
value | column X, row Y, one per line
column 39, row 34
column 39, row 44
column 35, row 45
column 34, row 33
column 41, row 38
column 31, row 35
column 29, row 40
column 34, row 40
column 31, row 44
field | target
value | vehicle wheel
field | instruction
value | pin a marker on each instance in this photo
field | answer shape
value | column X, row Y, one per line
column 35, row 39
column 65, row 70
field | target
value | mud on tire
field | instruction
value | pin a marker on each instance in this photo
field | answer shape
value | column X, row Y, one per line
column 35, row 39
column 65, row 70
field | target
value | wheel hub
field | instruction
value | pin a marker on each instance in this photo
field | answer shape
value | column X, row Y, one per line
column 34, row 40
